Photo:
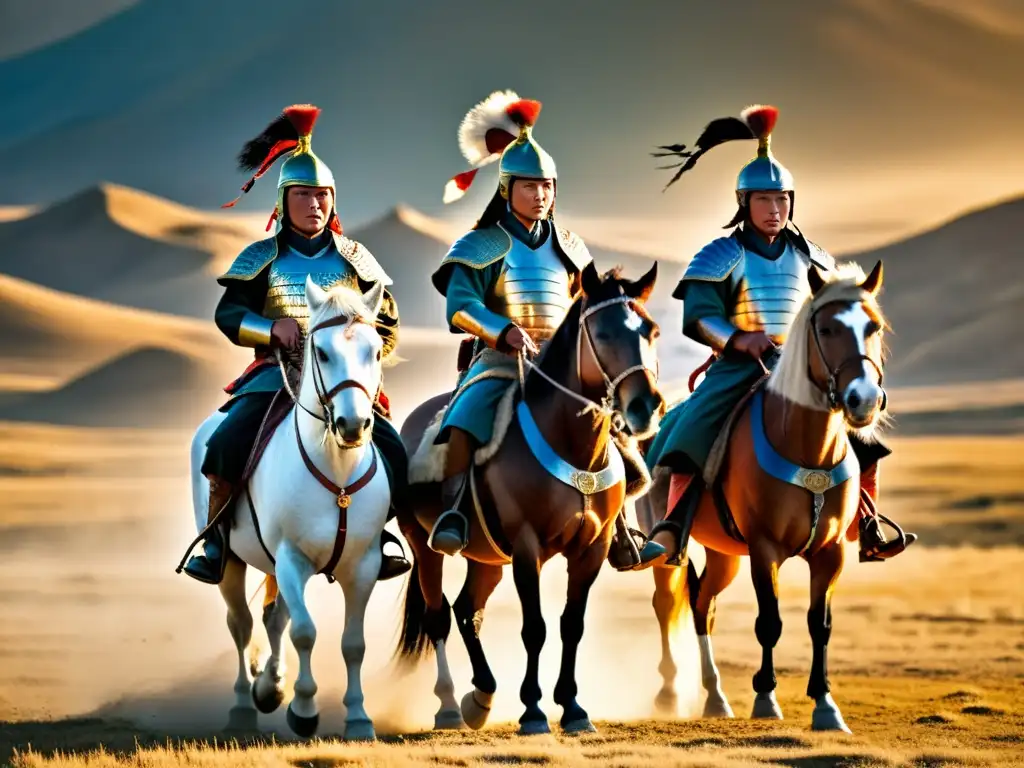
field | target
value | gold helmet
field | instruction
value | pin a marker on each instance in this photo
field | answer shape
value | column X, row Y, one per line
column 501, row 128
column 290, row 133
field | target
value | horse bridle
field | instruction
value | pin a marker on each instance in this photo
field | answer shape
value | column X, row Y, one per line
column 609, row 402
column 831, row 391
column 326, row 398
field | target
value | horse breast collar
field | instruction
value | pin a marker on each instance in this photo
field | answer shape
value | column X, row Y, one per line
column 586, row 482
column 817, row 481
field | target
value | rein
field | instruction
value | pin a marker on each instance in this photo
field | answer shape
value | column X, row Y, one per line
column 606, row 408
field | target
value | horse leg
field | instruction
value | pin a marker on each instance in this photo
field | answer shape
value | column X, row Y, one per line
column 719, row 572
column 481, row 581
column 582, row 573
column 526, row 572
column 232, row 588
column 357, row 588
column 670, row 588
column 765, row 558
column 826, row 566
column 294, row 570
column 268, row 687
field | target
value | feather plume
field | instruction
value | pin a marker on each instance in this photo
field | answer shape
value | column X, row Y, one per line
column 303, row 117
column 760, row 118
column 485, row 128
column 457, row 186
column 524, row 112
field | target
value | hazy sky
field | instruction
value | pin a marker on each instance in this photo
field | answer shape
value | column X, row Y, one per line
column 894, row 113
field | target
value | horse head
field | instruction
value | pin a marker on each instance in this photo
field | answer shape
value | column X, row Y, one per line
column 342, row 365
column 615, row 351
column 844, row 339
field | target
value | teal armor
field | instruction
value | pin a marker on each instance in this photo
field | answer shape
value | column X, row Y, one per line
column 737, row 284
column 266, row 284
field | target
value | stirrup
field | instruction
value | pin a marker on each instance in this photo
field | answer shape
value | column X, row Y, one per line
column 463, row 535
column 888, row 548
column 675, row 558
column 632, row 542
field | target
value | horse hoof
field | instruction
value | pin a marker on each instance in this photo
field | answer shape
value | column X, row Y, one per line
column 242, row 719
column 766, row 707
column 475, row 714
column 827, row 717
column 303, row 727
column 534, row 728
column 667, row 702
column 360, row 730
column 582, row 725
column 449, row 720
column 266, row 702
column 718, row 707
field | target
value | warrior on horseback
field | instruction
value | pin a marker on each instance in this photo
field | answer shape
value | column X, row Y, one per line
column 264, row 306
column 509, row 283
column 740, row 294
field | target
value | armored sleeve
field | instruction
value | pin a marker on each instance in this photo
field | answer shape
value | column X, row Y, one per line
column 465, row 308
column 388, row 322
column 238, row 313
column 705, row 318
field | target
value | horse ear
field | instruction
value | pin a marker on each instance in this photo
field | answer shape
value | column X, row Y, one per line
column 815, row 279
column 374, row 298
column 873, row 282
column 315, row 295
column 641, row 289
column 589, row 279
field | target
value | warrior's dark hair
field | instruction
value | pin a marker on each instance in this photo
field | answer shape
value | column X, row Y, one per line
column 498, row 205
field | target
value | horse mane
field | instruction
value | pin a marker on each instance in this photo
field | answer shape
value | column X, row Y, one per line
column 789, row 379
column 342, row 300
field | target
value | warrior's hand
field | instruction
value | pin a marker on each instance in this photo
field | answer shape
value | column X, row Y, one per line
column 753, row 343
column 516, row 339
column 285, row 334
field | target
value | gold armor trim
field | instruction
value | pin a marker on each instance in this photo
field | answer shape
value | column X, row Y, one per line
column 254, row 259
column 533, row 290
column 716, row 331
column 254, row 330
column 484, row 328
column 286, row 283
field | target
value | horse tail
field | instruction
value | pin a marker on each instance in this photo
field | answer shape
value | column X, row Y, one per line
column 414, row 643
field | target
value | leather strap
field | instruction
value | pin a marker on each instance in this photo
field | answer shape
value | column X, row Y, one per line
column 344, row 497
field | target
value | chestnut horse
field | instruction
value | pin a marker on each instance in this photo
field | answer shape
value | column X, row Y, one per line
column 788, row 486
column 603, row 356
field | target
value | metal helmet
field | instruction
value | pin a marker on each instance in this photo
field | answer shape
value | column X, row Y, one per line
column 764, row 172
column 290, row 134
column 501, row 128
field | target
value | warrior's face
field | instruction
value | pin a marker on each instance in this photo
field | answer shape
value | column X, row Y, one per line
column 308, row 208
column 531, row 199
column 769, row 211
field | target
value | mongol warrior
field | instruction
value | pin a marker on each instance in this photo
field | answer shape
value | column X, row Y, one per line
column 740, row 294
column 509, row 283
column 264, row 307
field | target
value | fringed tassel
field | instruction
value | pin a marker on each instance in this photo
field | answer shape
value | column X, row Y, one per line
column 273, row 218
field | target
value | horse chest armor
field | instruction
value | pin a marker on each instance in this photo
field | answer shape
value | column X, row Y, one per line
column 286, row 292
column 768, row 294
column 533, row 289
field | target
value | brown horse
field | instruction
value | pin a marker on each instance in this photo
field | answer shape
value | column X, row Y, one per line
column 788, row 485
column 521, row 512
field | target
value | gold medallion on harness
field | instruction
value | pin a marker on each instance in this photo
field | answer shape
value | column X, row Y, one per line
column 817, row 482
column 344, row 500
column 585, row 482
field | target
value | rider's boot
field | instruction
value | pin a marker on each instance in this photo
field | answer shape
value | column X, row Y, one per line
column 392, row 565
column 450, row 534
column 673, row 532
column 874, row 546
column 209, row 567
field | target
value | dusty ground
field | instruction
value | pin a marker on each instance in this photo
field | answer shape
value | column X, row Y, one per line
column 102, row 644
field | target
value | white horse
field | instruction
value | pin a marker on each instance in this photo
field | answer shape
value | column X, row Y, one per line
column 299, row 516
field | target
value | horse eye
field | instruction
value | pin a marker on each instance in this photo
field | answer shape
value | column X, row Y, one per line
column 378, row 355
column 824, row 331
column 872, row 329
column 321, row 355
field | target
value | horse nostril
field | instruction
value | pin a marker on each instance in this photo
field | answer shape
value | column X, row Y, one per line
column 366, row 424
column 853, row 400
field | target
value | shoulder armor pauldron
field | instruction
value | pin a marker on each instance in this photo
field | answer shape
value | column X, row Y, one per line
column 252, row 260
column 479, row 248
column 822, row 258
column 573, row 248
column 361, row 259
column 715, row 261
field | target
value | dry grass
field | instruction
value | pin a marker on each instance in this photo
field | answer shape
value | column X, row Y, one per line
column 104, row 648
